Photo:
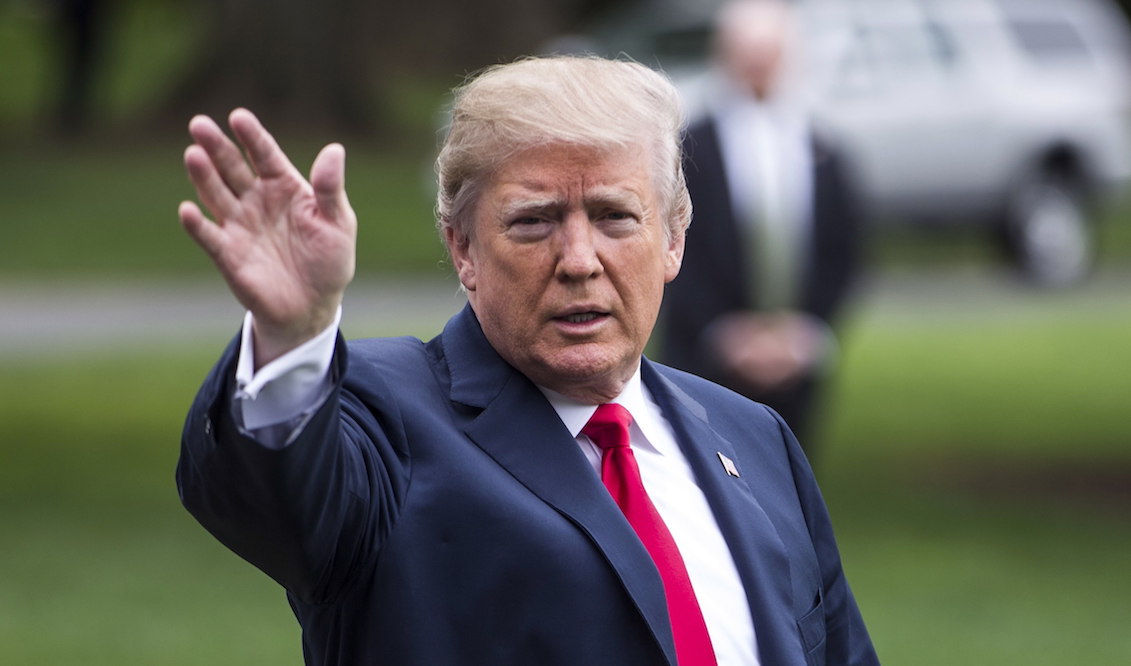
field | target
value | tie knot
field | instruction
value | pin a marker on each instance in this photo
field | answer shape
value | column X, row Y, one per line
column 608, row 427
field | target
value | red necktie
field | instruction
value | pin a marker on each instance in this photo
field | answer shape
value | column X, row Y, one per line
column 609, row 430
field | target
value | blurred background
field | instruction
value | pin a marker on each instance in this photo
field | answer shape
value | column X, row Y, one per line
column 976, row 442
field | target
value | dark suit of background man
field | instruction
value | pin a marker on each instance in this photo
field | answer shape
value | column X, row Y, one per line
column 776, row 240
column 449, row 502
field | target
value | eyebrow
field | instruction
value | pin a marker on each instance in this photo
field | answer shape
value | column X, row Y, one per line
column 615, row 196
column 521, row 205
column 609, row 196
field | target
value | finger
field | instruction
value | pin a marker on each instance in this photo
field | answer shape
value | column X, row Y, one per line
column 207, row 235
column 328, row 178
column 213, row 191
column 266, row 157
column 224, row 154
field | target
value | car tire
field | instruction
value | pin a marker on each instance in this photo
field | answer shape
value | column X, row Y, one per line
column 1048, row 232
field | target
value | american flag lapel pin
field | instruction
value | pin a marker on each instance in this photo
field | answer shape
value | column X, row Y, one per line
column 728, row 464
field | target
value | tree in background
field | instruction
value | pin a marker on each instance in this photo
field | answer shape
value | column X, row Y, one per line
column 325, row 63
column 295, row 60
column 79, row 31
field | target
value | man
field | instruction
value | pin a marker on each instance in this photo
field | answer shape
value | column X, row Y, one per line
column 776, row 243
column 446, row 502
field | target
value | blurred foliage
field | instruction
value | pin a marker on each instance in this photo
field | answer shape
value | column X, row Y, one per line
column 105, row 204
column 300, row 63
column 145, row 48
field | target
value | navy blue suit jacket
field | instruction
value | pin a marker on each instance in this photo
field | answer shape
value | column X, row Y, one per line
column 436, row 511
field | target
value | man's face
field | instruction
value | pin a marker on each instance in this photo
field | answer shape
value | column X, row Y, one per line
column 566, row 264
column 754, row 41
column 755, row 61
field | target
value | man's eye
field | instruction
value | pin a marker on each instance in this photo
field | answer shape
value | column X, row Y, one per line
column 529, row 228
column 528, row 223
column 618, row 215
column 618, row 222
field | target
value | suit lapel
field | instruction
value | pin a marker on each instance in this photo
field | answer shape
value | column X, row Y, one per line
column 519, row 429
column 754, row 542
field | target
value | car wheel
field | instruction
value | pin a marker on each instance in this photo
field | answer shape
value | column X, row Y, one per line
column 1049, row 234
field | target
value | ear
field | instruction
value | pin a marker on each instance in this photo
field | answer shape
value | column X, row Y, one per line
column 673, row 257
column 459, row 248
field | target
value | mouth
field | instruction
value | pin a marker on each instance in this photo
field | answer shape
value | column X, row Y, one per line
column 581, row 319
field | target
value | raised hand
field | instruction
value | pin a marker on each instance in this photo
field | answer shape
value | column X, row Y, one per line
column 285, row 246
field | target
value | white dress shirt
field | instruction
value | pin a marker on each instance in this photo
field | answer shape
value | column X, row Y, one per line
column 671, row 486
column 276, row 402
column 766, row 153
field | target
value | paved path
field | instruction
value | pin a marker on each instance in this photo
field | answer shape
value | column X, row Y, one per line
column 36, row 318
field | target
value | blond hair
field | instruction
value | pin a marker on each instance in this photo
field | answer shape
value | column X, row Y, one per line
column 575, row 100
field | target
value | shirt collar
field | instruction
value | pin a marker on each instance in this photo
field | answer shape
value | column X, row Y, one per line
column 575, row 414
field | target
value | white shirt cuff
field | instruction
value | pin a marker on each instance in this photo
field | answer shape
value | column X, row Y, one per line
column 287, row 388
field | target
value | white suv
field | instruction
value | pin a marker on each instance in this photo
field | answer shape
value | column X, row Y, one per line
column 1009, row 114
column 1012, row 114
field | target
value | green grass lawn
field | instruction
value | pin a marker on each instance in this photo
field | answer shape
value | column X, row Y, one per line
column 100, row 564
column 977, row 471
column 979, row 475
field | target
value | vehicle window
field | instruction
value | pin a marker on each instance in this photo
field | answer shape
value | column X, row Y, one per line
column 881, row 55
column 912, row 47
column 1045, row 39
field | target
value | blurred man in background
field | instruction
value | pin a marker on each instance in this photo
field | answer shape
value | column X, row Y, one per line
column 777, row 235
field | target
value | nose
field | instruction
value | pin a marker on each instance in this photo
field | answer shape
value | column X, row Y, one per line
column 578, row 258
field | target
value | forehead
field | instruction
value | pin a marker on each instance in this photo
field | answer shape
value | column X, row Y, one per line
column 570, row 170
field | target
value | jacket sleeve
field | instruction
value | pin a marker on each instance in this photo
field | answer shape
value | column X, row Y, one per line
column 308, row 514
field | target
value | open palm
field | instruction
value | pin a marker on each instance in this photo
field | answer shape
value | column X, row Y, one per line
column 285, row 245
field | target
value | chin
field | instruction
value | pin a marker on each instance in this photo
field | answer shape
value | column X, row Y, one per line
column 588, row 367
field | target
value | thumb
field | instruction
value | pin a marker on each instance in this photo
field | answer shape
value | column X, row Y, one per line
column 328, row 178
